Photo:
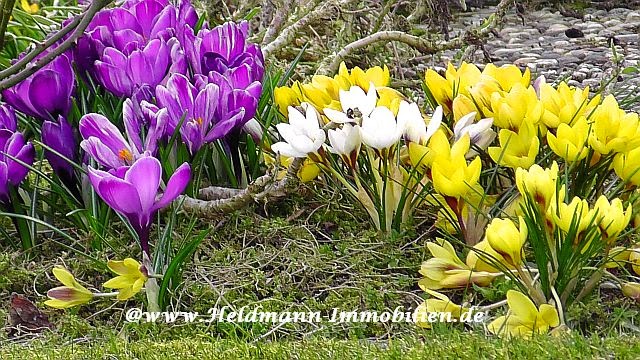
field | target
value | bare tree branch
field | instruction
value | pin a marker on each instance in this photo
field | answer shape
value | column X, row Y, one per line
column 278, row 20
column 86, row 17
column 262, row 188
column 287, row 35
column 470, row 37
column 7, row 9
column 18, row 65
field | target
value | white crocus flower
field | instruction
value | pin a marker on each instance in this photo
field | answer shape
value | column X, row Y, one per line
column 380, row 130
column 481, row 134
column 355, row 103
column 302, row 135
column 416, row 130
column 346, row 142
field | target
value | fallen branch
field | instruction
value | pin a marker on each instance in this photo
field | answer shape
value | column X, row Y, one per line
column 278, row 20
column 214, row 201
column 470, row 37
column 288, row 34
column 86, row 17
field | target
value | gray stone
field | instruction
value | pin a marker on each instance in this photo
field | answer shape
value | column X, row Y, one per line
column 568, row 60
column 591, row 83
column 556, row 29
column 612, row 22
column 561, row 43
column 546, row 62
column 628, row 38
column 579, row 53
column 633, row 17
column 508, row 51
column 523, row 61
column 573, row 83
column 578, row 76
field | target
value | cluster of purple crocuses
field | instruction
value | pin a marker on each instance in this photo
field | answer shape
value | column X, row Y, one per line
column 14, row 151
column 204, row 83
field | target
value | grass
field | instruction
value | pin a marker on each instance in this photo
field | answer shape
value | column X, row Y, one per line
column 311, row 252
column 452, row 345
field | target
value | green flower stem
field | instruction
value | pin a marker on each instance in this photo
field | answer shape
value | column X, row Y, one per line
column 22, row 226
column 535, row 292
column 151, row 288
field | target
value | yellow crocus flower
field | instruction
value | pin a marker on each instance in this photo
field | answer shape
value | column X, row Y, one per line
column 613, row 129
column 67, row 296
column 445, row 270
column 377, row 75
column 524, row 319
column 507, row 239
column 285, row 96
column 618, row 256
column 627, row 166
column 611, row 217
column 29, row 8
column 451, row 174
column 507, row 76
column 516, row 149
column 130, row 280
column 455, row 82
column 631, row 290
column 565, row 105
column 439, row 303
column 511, row 109
column 576, row 211
column 634, row 258
column 570, row 141
column 484, row 258
column 463, row 105
column 422, row 156
column 538, row 183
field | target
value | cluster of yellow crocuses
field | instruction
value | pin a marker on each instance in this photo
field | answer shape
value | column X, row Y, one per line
column 584, row 188
column 130, row 280
column 505, row 161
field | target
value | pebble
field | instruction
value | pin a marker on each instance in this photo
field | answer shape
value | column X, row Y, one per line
column 579, row 76
column 556, row 29
column 633, row 17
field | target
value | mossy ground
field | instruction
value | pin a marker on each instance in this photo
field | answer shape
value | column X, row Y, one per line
column 310, row 252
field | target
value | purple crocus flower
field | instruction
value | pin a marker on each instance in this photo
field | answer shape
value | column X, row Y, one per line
column 238, row 99
column 45, row 94
column 196, row 107
column 224, row 48
column 123, row 73
column 8, row 118
column 229, row 61
column 130, row 29
column 60, row 138
column 13, row 150
column 144, row 118
column 133, row 192
column 104, row 142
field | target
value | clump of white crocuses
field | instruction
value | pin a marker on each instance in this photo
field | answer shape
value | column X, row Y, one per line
column 361, row 146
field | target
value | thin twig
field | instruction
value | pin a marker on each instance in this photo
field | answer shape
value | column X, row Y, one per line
column 18, row 65
column 278, row 20
column 92, row 10
column 7, row 9
column 470, row 37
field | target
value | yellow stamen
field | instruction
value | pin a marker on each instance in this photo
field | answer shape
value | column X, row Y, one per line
column 125, row 155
